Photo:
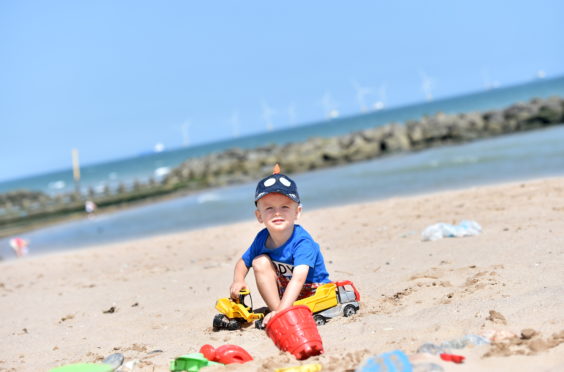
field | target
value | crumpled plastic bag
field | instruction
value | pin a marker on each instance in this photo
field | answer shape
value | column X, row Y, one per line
column 445, row 230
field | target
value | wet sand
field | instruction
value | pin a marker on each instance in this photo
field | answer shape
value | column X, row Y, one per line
column 153, row 299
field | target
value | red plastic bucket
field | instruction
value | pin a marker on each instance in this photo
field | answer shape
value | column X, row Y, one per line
column 294, row 330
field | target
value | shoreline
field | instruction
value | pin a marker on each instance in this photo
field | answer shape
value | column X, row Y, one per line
column 26, row 227
column 163, row 288
column 127, row 207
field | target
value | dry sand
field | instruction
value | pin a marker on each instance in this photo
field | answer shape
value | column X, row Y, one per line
column 57, row 309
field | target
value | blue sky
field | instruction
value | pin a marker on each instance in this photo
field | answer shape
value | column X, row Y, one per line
column 113, row 78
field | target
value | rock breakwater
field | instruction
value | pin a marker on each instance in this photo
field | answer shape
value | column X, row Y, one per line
column 238, row 165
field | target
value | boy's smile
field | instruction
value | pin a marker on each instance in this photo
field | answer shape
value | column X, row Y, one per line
column 278, row 213
column 277, row 220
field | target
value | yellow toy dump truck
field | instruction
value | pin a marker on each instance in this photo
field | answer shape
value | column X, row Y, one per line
column 234, row 313
column 330, row 300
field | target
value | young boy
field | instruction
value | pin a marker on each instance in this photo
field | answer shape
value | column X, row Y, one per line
column 287, row 262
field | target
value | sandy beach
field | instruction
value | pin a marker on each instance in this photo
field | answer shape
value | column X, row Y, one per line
column 153, row 299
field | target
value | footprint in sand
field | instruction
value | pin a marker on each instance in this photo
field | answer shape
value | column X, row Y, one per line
column 480, row 278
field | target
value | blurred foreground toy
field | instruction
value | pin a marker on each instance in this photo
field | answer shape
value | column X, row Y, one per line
column 83, row 367
column 191, row 362
column 226, row 354
column 109, row 364
column 394, row 361
column 314, row 367
column 294, row 330
column 235, row 313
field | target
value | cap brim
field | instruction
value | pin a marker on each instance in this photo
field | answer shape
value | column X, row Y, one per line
column 264, row 193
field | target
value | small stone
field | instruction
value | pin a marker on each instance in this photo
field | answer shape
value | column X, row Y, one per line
column 538, row 344
column 528, row 333
column 496, row 317
column 114, row 360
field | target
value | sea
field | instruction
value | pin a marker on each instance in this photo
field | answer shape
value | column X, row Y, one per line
column 518, row 156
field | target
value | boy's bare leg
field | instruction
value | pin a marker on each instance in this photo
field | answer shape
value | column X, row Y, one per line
column 267, row 284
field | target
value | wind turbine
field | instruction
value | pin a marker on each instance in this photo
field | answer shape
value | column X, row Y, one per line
column 488, row 84
column 427, row 84
column 329, row 106
column 383, row 97
column 292, row 114
column 361, row 92
column 235, row 124
column 486, row 79
column 267, row 113
column 184, row 130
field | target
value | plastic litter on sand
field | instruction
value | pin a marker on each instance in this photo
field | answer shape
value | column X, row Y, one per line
column 459, row 343
column 445, row 230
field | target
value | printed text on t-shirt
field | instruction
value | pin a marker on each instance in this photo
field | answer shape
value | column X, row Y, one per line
column 283, row 269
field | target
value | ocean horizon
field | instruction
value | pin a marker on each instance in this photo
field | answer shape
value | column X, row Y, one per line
column 156, row 165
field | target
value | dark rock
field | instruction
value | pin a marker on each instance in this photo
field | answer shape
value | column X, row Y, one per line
column 396, row 138
column 551, row 111
column 528, row 333
column 494, row 122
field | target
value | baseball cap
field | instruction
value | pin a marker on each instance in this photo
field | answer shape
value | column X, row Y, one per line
column 278, row 183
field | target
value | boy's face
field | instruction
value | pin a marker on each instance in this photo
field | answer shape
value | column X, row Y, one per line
column 277, row 212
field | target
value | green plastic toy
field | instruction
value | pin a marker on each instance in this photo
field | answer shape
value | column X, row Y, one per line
column 191, row 363
column 83, row 367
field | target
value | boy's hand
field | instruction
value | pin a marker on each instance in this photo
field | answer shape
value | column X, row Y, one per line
column 267, row 318
column 239, row 275
column 236, row 288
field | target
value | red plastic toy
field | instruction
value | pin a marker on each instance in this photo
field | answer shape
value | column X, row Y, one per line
column 226, row 354
column 452, row 358
column 294, row 330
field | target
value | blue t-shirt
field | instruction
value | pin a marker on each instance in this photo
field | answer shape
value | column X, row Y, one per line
column 300, row 249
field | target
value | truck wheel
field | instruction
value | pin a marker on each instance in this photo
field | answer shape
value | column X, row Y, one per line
column 220, row 321
column 258, row 324
column 349, row 310
column 319, row 319
column 234, row 325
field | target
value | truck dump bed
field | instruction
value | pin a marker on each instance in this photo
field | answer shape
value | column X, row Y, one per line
column 325, row 297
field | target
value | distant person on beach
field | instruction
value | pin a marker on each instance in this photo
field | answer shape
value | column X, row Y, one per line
column 19, row 245
column 90, row 207
column 287, row 262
